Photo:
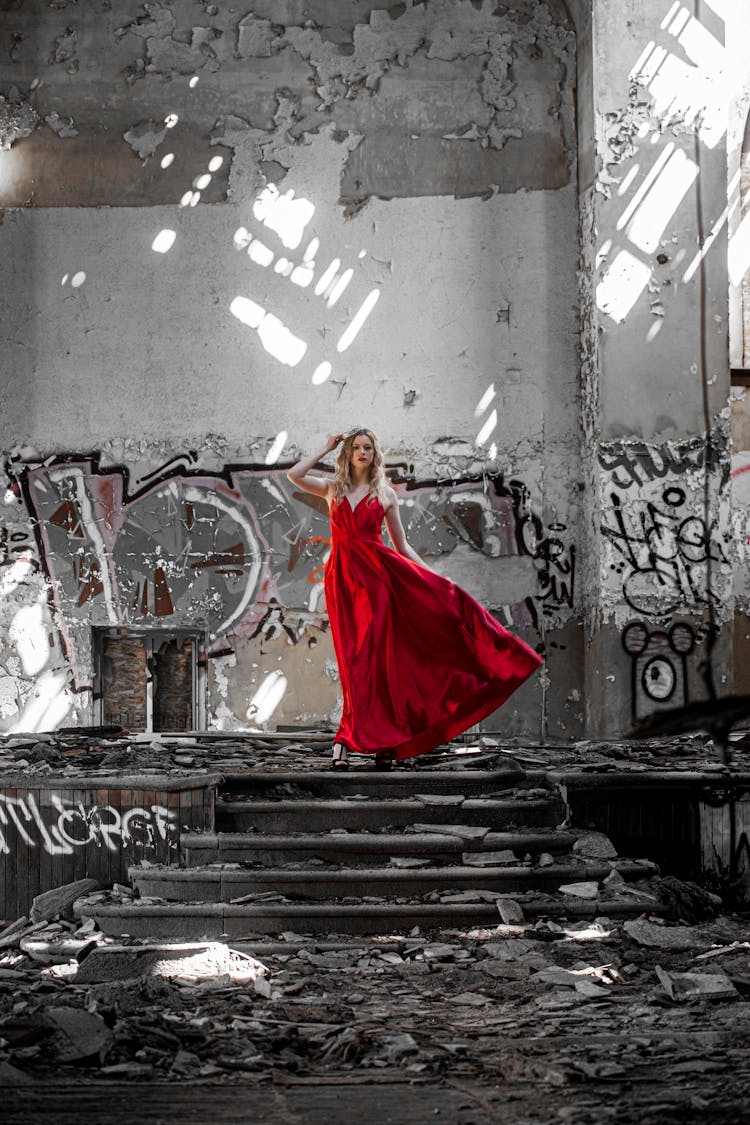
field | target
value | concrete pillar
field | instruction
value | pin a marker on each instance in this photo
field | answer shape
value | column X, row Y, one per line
column 655, row 359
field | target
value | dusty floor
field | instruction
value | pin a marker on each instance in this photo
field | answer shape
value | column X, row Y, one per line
column 629, row 1022
column 639, row 1021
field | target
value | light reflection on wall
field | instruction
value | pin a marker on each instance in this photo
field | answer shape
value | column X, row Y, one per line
column 690, row 84
column 287, row 216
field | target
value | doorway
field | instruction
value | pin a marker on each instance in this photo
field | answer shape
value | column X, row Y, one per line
column 150, row 679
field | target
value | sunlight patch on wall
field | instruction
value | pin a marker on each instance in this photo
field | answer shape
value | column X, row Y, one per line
column 267, row 698
column 622, row 285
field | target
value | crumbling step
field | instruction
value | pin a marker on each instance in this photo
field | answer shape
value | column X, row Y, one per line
column 222, row 885
column 396, row 783
column 211, row 921
column 320, row 814
column 199, row 849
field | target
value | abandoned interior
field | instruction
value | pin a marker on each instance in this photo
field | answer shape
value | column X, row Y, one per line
column 513, row 238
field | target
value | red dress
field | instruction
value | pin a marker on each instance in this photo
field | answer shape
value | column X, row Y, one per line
column 419, row 659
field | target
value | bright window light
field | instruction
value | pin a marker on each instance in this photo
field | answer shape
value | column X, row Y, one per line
column 275, row 336
column 484, row 401
column 359, row 319
column 321, row 373
column 267, row 698
column 302, row 276
column 202, row 181
column 277, row 448
column 326, row 278
column 186, row 199
column 247, row 311
column 193, row 81
column 487, row 429
column 261, row 254
column 171, row 120
column 284, row 214
column 29, row 634
column 167, row 160
column 215, row 163
column 164, row 241
column 280, row 342
column 242, row 238
column 661, row 202
column 339, row 288
column 78, row 279
column 622, row 285
column 739, row 251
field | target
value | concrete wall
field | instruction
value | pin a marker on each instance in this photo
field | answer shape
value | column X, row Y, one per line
column 655, row 317
column 229, row 231
column 497, row 234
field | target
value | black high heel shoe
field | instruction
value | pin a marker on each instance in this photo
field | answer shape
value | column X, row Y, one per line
column 339, row 757
column 383, row 760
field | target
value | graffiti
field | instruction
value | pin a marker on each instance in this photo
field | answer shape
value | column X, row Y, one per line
column 238, row 552
column 665, row 528
column 664, row 554
column 497, row 518
column 659, row 667
column 68, row 825
column 638, row 463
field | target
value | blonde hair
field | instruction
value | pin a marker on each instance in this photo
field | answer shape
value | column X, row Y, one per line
column 342, row 479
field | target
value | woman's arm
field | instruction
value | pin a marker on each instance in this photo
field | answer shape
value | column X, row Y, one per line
column 300, row 475
column 397, row 533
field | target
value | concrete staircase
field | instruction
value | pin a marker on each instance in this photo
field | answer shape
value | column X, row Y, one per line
column 363, row 852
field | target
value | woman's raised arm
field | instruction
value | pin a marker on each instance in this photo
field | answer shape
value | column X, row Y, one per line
column 300, row 474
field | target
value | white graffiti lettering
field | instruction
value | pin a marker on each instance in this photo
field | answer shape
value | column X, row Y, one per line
column 72, row 825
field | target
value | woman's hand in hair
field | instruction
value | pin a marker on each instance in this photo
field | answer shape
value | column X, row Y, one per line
column 332, row 441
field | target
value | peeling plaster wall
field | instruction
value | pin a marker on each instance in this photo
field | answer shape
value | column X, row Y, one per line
column 656, row 409
column 227, row 231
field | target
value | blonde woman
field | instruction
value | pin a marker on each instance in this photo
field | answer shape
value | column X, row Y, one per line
column 419, row 659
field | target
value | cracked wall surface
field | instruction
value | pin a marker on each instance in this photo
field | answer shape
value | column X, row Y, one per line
column 227, row 231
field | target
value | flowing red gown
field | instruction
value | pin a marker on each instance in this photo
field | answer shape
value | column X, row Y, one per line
column 419, row 659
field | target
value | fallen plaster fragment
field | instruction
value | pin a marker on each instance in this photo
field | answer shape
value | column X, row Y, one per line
column 65, row 46
column 588, row 889
column 145, row 137
column 595, row 845
column 665, row 937
column 58, row 900
column 17, row 118
column 63, row 126
column 684, row 986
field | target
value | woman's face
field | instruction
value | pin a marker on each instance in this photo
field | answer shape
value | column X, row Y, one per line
column 362, row 452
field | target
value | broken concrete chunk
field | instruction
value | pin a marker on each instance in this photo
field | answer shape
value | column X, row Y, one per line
column 187, row 962
column 665, row 937
column 684, row 986
column 465, row 831
column 489, row 859
column 510, row 911
column 587, row 890
column 78, row 1035
column 596, row 846
column 60, row 899
column 63, row 126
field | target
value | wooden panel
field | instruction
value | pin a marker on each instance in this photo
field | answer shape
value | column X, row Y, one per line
column 58, row 834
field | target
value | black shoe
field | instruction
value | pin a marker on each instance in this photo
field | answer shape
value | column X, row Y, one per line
column 383, row 760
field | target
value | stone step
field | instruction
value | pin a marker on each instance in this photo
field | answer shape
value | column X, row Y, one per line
column 321, row 814
column 199, row 849
column 212, row 921
column 399, row 782
column 225, row 885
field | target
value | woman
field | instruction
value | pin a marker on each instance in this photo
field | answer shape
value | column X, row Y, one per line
column 419, row 660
